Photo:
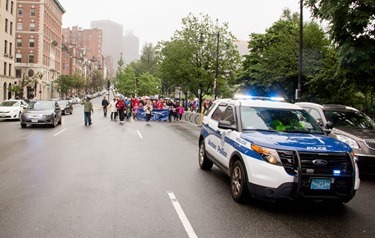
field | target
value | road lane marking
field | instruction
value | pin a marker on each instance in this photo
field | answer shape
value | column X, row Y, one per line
column 140, row 135
column 185, row 222
column 59, row 132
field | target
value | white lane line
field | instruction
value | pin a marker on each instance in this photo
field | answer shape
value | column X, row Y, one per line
column 60, row 132
column 140, row 135
column 188, row 228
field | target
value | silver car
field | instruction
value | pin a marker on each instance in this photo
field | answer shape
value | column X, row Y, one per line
column 41, row 113
column 350, row 126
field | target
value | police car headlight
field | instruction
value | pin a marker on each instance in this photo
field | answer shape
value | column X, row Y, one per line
column 268, row 155
column 352, row 143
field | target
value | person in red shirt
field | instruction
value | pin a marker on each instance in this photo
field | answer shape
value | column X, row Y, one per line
column 160, row 104
column 135, row 105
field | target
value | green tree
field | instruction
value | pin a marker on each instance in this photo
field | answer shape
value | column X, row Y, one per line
column 189, row 59
column 126, row 81
column 351, row 26
column 272, row 64
column 149, row 85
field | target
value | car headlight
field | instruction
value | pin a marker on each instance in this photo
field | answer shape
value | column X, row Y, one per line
column 268, row 155
column 352, row 143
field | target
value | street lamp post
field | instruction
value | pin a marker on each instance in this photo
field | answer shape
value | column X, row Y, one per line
column 217, row 65
column 298, row 90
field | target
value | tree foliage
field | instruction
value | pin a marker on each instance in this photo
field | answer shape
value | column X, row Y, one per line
column 189, row 59
column 272, row 64
column 352, row 28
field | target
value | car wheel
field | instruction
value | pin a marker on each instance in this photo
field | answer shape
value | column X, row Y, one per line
column 53, row 122
column 238, row 182
column 23, row 125
column 204, row 162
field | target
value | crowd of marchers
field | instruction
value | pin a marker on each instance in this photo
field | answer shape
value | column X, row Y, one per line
column 125, row 108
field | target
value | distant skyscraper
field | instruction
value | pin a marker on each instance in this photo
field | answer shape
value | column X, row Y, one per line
column 112, row 38
column 131, row 47
column 242, row 47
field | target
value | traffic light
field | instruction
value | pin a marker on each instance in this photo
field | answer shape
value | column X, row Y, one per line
column 108, row 84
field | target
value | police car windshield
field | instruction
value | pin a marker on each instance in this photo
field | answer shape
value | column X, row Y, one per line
column 283, row 120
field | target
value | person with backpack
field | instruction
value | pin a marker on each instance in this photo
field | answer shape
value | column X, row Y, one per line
column 121, row 107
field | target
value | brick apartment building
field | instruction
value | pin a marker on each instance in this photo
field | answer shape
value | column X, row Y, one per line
column 7, row 33
column 38, row 46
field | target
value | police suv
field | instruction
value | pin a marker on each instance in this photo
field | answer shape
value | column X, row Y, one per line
column 275, row 150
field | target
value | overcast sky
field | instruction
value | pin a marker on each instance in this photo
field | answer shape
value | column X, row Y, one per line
column 156, row 20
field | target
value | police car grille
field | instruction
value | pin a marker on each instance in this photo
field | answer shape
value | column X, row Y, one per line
column 329, row 163
column 370, row 143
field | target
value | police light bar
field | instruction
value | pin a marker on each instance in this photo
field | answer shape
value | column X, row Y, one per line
column 241, row 96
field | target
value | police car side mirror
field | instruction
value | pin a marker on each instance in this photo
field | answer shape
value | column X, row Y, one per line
column 226, row 125
column 328, row 127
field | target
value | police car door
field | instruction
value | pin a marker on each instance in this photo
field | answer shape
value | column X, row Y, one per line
column 227, row 136
column 214, row 137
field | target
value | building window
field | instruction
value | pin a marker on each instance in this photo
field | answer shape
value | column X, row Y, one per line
column 19, row 26
column 31, row 43
column 32, row 26
column 31, row 58
column 32, row 12
column 7, row 5
column 18, row 57
column 10, row 70
column 10, row 48
column 19, row 43
column 11, row 7
column 5, row 68
column 6, row 25
column 18, row 73
column 11, row 28
column 5, row 47
column 20, row 12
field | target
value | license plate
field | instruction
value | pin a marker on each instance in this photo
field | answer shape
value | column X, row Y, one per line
column 320, row 184
column 34, row 120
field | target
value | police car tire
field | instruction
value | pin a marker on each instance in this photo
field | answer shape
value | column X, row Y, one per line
column 238, row 184
column 204, row 162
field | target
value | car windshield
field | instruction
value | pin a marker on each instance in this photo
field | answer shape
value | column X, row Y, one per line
column 352, row 119
column 9, row 104
column 285, row 120
column 40, row 105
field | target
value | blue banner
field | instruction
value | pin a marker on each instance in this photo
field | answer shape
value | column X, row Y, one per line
column 157, row 114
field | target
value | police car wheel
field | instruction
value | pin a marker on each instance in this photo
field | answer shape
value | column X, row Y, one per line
column 238, row 182
column 204, row 162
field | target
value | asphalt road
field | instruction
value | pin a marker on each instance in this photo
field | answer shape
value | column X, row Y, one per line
column 138, row 180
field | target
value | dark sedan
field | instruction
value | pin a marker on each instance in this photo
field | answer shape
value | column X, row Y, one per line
column 41, row 113
column 66, row 106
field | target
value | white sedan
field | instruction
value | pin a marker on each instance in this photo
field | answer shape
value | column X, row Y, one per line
column 11, row 109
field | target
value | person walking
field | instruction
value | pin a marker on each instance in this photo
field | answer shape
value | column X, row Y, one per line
column 112, row 107
column 121, row 107
column 147, row 108
column 180, row 111
column 105, row 104
column 87, row 110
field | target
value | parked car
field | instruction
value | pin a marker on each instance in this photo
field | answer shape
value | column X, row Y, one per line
column 349, row 125
column 275, row 150
column 66, row 106
column 41, row 113
column 11, row 109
